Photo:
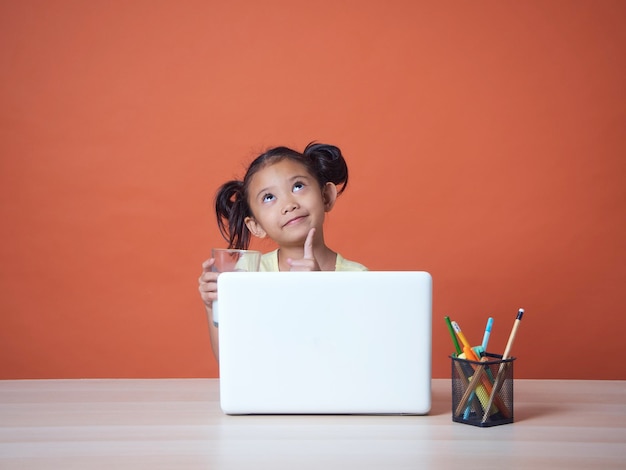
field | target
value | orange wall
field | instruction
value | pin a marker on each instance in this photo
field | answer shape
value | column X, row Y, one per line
column 486, row 142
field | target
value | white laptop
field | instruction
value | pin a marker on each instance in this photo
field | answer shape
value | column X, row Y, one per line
column 325, row 342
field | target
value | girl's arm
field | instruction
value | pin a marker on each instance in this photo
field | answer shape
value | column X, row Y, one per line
column 208, row 292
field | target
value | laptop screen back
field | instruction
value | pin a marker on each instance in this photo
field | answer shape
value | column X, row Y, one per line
column 325, row 342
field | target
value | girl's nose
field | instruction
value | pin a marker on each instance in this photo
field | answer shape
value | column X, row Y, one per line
column 289, row 207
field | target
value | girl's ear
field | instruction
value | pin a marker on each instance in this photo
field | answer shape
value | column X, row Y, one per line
column 255, row 228
column 329, row 195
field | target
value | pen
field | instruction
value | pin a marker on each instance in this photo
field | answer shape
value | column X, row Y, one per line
column 475, row 390
column 470, row 391
column 484, row 397
column 487, row 334
column 457, row 348
column 507, row 351
column 483, row 350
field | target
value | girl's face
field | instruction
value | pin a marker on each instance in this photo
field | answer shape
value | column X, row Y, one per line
column 286, row 202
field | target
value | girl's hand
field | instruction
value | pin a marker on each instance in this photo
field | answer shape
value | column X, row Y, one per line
column 308, row 262
column 207, row 283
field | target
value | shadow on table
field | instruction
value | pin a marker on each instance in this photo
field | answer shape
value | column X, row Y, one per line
column 441, row 403
column 533, row 411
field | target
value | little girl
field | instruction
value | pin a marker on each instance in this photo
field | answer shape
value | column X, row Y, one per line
column 284, row 196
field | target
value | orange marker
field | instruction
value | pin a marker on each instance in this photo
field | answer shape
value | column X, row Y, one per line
column 467, row 348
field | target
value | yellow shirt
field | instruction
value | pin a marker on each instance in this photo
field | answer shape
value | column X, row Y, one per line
column 269, row 262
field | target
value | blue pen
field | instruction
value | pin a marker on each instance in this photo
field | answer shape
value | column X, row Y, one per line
column 483, row 346
column 487, row 334
column 486, row 341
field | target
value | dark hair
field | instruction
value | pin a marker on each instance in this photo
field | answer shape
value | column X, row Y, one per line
column 324, row 162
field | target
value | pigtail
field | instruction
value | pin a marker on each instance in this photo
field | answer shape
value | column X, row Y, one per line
column 329, row 164
column 231, row 209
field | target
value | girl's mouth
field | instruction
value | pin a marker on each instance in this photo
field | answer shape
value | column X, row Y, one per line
column 293, row 221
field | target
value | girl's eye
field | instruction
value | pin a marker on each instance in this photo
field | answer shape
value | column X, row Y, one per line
column 298, row 186
column 267, row 198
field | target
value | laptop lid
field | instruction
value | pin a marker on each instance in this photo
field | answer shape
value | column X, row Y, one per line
column 325, row 342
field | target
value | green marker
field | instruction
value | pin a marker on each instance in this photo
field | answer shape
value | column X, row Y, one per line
column 454, row 340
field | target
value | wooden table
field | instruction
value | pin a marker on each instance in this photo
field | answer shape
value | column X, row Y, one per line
column 178, row 424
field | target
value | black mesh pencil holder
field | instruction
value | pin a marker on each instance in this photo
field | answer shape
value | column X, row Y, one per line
column 482, row 391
